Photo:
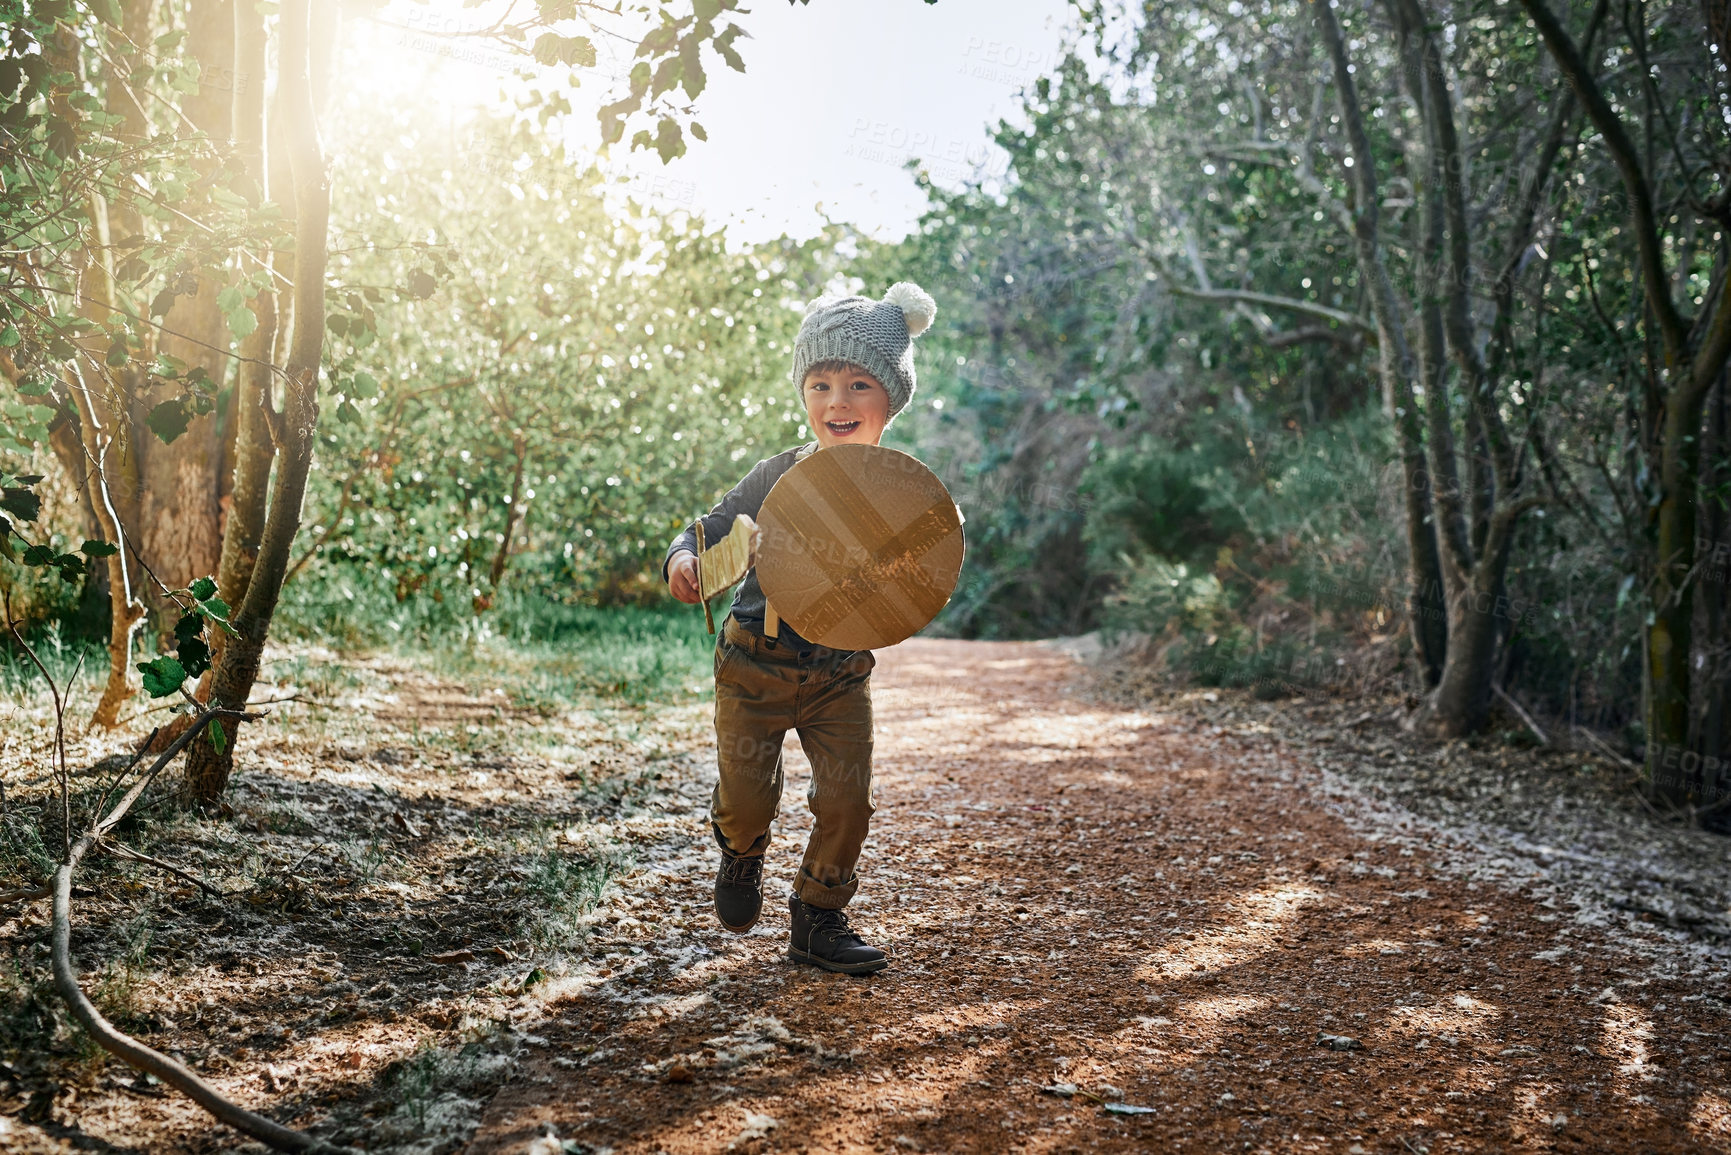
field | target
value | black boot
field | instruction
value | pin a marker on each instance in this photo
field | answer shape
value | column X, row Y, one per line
column 823, row 938
column 739, row 891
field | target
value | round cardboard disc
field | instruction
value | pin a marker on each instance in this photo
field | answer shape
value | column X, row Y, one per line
column 861, row 547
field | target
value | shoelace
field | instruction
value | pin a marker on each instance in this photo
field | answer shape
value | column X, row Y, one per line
column 832, row 924
column 737, row 871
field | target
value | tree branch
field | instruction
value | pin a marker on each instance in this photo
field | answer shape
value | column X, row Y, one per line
column 122, row 851
column 1628, row 161
column 1311, row 308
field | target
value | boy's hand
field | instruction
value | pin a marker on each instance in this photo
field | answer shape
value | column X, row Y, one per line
column 682, row 577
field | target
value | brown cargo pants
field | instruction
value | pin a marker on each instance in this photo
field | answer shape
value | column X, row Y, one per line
column 761, row 692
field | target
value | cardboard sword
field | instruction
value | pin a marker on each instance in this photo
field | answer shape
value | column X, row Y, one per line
column 726, row 562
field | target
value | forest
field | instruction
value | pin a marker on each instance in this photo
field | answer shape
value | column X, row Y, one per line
column 1329, row 384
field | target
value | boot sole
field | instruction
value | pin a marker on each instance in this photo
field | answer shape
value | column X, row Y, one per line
column 863, row 968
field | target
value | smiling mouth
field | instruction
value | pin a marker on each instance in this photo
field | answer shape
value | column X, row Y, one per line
column 841, row 428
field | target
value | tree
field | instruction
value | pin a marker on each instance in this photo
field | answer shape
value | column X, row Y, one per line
column 144, row 189
column 1686, row 351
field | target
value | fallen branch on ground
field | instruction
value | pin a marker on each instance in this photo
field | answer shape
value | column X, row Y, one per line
column 1604, row 748
column 122, row 851
column 1522, row 714
column 116, row 1042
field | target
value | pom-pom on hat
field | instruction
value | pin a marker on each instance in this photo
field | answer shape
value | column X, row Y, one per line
column 875, row 335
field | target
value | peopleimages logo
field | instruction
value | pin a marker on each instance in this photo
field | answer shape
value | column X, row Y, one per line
column 1001, row 61
column 946, row 158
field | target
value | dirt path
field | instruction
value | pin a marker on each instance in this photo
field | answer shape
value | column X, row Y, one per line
column 1149, row 909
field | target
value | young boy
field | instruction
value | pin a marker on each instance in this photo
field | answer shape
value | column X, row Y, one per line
column 853, row 364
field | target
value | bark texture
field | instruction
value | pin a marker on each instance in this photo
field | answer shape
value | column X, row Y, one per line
column 292, row 427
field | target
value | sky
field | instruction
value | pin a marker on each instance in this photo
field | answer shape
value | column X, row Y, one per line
column 837, row 97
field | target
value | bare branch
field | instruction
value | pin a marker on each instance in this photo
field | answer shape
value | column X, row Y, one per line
column 122, row 851
column 1635, row 181
column 1313, row 308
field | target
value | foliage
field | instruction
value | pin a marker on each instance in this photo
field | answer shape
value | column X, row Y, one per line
column 1155, row 344
column 584, row 382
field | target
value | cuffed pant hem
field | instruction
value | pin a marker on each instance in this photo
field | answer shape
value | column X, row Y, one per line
column 752, row 851
column 814, row 893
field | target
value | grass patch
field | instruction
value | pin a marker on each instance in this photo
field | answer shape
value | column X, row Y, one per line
column 545, row 654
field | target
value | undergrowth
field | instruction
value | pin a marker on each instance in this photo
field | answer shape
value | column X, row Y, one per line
column 544, row 652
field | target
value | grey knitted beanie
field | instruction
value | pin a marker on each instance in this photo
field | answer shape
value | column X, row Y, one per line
column 875, row 335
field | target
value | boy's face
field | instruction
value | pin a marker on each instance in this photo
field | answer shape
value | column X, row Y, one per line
column 846, row 406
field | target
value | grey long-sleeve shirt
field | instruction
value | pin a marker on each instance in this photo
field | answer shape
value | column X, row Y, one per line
column 747, row 498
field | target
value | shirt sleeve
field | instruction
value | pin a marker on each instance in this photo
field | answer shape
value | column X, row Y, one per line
column 746, row 497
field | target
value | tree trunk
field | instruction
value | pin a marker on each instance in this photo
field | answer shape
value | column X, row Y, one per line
column 1426, row 606
column 1461, row 703
column 513, row 513
column 108, row 483
column 126, row 611
column 1476, row 526
column 179, row 534
column 292, row 429
column 1686, row 375
column 1712, row 736
column 249, row 491
column 1670, row 630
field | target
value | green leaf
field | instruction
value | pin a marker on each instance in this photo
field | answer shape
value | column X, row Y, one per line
column 39, row 555
column 724, row 45
column 362, row 386
column 9, row 336
column 337, row 323
column 168, row 420
column 691, row 76
column 580, row 52
column 163, row 302
column 98, row 549
column 194, row 656
column 117, row 354
column 669, row 141
column 190, row 625
column 21, row 503
column 698, row 131
column 162, row 677
column 229, row 299
column 63, row 137
column 203, row 589
column 218, row 740
column 666, row 76
column 552, row 48
column 35, row 384
column 660, row 41
column 215, row 607
column 242, row 323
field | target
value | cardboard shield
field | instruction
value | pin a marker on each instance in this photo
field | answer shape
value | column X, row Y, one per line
column 861, row 547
